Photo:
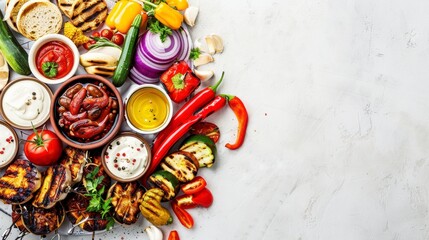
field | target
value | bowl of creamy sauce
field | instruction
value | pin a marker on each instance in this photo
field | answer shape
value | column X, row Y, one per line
column 127, row 157
column 26, row 102
column 8, row 144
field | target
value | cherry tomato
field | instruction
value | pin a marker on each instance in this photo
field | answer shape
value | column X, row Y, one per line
column 209, row 129
column 174, row 235
column 95, row 34
column 118, row 39
column 43, row 147
column 197, row 184
column 88, row 44
column 107, row 33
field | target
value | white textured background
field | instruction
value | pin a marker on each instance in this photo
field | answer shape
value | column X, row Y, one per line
column 337, row 143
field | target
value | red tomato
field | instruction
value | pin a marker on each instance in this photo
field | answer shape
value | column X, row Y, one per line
column 88, row 44
column 95, row 34
column 118, row 39
column 197, row 184
column 43, row 147
column 174, row 235
column 209, row 129
column 184, row 217
column 107, row 33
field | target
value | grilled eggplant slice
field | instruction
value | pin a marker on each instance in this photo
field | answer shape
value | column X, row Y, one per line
column 125, row 200
column 183, row 165
column 74, row 159
column 76, row 205
column 41, row 221
column 202, row 147
column 19, row 182
column 55, row 187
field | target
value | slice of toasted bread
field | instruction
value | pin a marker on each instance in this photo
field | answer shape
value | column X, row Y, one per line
column 66, row 6
column 37, row 18
column 14, row 15
column 88, row 14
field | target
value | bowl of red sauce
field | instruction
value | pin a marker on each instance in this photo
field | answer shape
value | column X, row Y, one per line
column 53, row 58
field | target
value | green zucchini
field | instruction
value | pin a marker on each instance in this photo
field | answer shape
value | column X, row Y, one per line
column 183, row 165
column 128, row 50
column 202, row 147
column 165, row 181
column 15, row 55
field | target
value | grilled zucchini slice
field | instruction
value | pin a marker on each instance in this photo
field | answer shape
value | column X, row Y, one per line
column 183, row 165
column 167, row 182
column 202, row 147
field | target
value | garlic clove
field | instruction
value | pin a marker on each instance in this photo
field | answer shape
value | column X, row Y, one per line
column 201, row 44
column 203, row 59
column 211, row 44
column 204, row 75
column 218, row 43
column 154, row 233
column 190, row 15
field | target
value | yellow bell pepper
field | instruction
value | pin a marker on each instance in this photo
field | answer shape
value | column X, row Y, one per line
column 168, row 16
column 122, row 15
column 165, row 14
column 178, row 4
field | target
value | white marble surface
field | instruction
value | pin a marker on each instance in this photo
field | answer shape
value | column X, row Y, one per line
column 337, row 143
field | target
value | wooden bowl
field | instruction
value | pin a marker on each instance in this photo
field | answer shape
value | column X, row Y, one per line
column 86, row 78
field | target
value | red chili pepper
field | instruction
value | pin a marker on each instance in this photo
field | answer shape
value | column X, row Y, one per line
column 157, row 155
column 180, row 81
column 174, row 235
column 240, row 112
column 197, row 184
column 194, row 104
column 184, row 217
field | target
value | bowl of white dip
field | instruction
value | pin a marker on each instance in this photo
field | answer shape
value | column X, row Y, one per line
column 8, row 144
column 25, row 103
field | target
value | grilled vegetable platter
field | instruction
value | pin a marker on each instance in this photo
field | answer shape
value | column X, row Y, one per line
column 105, row 116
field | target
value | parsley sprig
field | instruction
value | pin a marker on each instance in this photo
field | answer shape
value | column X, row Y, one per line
column 50, row 69
column 195, row 53
column 158, row 28
column 97, row 203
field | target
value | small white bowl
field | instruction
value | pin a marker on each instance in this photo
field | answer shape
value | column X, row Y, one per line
column 167, row 119
column 42, row 41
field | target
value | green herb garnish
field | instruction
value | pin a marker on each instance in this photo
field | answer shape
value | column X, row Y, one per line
column 50, row 69
column 103, row 42
column 96, row 202
column 156, row 27
column 195, row 53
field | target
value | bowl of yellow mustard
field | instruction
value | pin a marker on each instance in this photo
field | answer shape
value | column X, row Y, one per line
column 148, row 109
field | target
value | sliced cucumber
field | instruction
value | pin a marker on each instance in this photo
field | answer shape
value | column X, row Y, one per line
column 202, row 147
column 183, row 165
column 167, row 182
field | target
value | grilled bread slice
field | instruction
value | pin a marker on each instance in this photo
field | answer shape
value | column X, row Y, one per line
column 14, row 14
column 126, row 198
column 88, row 14
column 74, row 159
column 37, row 18
column 66, row 6
column 54, row 188
column 19, row 182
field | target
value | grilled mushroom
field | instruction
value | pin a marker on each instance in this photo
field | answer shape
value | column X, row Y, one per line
column 125, row 200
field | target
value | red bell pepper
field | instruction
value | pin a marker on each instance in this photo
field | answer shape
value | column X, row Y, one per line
column 203, row 198
column 180, row 81
column 174, row 235
column 240, row 112
column 184, row 217
column 197, row 184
